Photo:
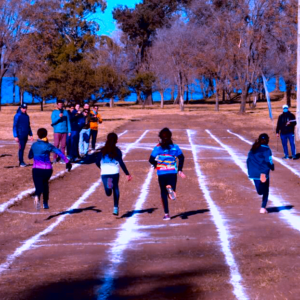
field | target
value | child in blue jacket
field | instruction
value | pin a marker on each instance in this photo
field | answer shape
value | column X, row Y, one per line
column 259, row 164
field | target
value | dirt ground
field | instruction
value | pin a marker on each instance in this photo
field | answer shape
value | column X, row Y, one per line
column 79, row 250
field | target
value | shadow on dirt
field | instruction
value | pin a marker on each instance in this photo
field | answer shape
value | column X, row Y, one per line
column 129, row 214
column 186, row 215
column 279, row 208
column 12, row 167
column 156, row 286
column 4, row 155
column 75, row 211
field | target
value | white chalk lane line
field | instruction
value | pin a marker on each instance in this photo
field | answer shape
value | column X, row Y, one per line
column 126, row 234
column 283, row 163
column 4, row 206
column 223, row 231
column 29, row 243
column 287, row 215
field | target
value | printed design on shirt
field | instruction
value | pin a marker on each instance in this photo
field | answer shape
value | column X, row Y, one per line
column 166, row 162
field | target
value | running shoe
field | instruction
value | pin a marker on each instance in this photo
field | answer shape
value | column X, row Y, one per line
column 116, row 211
column 294, row 157
column 285, row 157
column 110, row 184
column 263, row 211
column 37, row 203
column 23, row 165
column 172, row 194
column 166, row 217
column 46, row 206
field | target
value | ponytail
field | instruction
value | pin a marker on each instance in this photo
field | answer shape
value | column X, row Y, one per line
column 110, row 148
column 263, row 139
column 165, row 136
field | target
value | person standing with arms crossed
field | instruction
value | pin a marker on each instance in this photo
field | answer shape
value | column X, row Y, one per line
column 62, row 127
column 21, row 131
column 285, row 127
column 95, row 120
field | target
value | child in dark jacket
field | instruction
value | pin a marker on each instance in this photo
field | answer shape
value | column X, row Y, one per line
column 42, row 166
column 259, row 164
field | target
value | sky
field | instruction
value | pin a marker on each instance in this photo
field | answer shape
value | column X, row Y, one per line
column 106, row 21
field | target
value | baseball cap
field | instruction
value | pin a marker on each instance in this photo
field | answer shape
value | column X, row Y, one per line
column 24, row 105
column 285, row 106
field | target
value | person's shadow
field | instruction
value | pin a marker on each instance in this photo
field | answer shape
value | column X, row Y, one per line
column 187, row 214
column 75, row 211
column 131, row 213
column 279, row 208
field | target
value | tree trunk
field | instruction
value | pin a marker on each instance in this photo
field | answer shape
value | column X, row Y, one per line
column 172, row 93
column 161, row 99
column 177, row 100
column 244, row 100
column 217, row 108
column 223, row 96
column 187, row 95
column 111, row 102
column 139, row 100
column 288, row 93
column 42, row 104
column 14, row 89
column 149, row 99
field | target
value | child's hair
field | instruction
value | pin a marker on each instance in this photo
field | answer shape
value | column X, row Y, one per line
column 110, row 148
column 263, row 139
column 42, row 133
column 165, row 136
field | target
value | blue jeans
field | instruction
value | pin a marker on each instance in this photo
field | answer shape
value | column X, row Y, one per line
column 263, row 189
column 74, row 144
column 284, row 140
column 22, row 145
column 115, row 188
column 84, row 141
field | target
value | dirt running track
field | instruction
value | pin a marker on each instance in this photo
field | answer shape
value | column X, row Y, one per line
column 216, row 246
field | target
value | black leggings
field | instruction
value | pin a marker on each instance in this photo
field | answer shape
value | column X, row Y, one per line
column 115, row 188
column 263, row 189
column 164, row 180
column 41, row 181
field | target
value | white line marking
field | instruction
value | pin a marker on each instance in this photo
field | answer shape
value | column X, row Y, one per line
column 286, row 215
column 224, row 234
column 293, row 170
column 28, row 192
column 29, row 213
column 28, row 244
column 127, row 233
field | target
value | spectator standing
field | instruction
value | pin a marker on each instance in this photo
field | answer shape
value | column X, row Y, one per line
column 21, row 131
column 75, row 129
column 62, row 128
column 286, row 127
column 84, row 136
column 69, row 137
column 95, row 120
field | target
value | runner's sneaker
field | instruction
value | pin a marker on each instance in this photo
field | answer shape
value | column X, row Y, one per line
column 46, row 206
column 110, row 184
column 263, row 211
column 172, row 194
column 116, row 211
column 37, row 203
column 294, row 157
column 166, row 217
column 22, row 165
column 285, row 157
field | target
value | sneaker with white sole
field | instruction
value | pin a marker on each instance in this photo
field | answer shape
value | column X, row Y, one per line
column 45, row 206
column 37, row 203
column 263, row 211
column 171, row 193
column 23, row 165
column 166, row 217
column 116, row 211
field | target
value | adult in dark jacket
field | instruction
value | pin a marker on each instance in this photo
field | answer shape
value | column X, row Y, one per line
column 259, row 164
column 286, row 127
column 21, row 131
column 75, row 129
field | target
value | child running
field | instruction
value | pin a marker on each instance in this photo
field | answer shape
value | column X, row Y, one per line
column 163, row 158
column 259, row 164
column 42, row 167
column 109, row 161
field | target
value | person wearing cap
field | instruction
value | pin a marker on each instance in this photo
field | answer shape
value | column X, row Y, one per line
column 62, row 127
column 21, row 131
column 285, row 128
column 259, row 164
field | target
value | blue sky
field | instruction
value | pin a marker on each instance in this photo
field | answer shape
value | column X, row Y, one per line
column 106, row 21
